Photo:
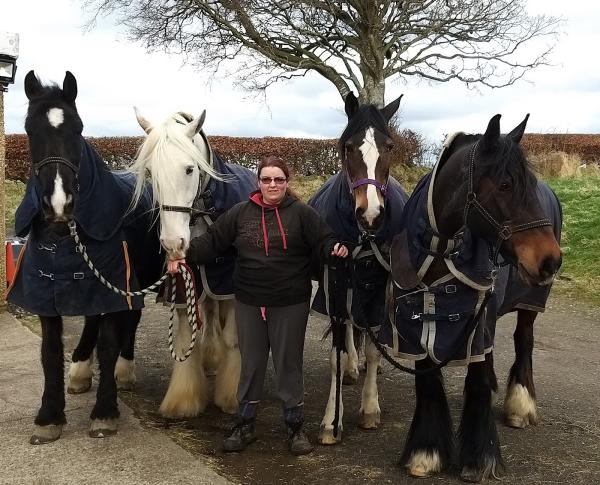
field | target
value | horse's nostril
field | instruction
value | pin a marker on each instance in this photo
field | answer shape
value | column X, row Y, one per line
column 549, row 266
column 181, row 243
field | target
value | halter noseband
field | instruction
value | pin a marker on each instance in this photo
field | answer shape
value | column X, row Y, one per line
column 353, row 185
column 59, row 160
column 503, row 231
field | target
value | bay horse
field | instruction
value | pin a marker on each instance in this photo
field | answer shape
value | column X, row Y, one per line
column 71, row 184
column 480, row 238
column 363, row 205
column 191, row 188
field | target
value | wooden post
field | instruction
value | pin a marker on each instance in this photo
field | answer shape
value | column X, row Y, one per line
column 2, row 204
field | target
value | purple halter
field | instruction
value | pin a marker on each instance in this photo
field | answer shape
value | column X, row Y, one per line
column 353, row 185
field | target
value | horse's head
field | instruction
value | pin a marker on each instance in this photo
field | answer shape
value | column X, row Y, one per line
column 365, row 147
column 502, row 202
column 54, row 130
column 176, row 156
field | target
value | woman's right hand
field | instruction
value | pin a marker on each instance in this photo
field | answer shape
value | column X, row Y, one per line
column 173, row 265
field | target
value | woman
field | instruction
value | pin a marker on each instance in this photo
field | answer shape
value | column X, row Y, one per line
column 275, row 235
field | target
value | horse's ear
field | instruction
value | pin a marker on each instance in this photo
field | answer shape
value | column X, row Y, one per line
column 350, row 104
column 143, row 122
column 33, row 87
column 195, row 126
column 517, row 133
column 69, row 88
column 492, row 134
column 390, row 109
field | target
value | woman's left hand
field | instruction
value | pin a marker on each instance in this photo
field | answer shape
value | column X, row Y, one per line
column 339, row 250
column 173, row 265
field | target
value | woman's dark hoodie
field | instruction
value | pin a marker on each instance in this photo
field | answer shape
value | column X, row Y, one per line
column 275, row 246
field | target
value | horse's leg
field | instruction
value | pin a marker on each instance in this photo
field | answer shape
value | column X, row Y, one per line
column 81, row 368
column 351, row 372
column 520, row 409
column 187, row 394
column 51, row 416
column 480, row 455
column 326, row 433
column 370, row 413
column 125, row 368
column 429, row 445
column 228, row 371
column 106, row 410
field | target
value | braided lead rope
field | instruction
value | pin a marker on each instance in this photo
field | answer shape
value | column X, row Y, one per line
column 191, row 312
column 103, row 280
column 189, row 290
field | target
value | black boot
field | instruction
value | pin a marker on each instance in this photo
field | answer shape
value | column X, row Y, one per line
column 241, row 435
column 298, row 442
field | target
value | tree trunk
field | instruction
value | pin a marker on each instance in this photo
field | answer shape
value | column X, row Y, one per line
column 372, row 92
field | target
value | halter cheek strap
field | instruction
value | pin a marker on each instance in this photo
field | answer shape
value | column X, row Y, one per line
column 503, row 232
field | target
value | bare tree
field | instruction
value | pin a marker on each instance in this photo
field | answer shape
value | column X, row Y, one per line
column 355, row 44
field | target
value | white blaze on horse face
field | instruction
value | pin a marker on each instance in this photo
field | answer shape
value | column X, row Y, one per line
column 56, row 117
column 370, row 155
column 178, row 187
column 59, row 198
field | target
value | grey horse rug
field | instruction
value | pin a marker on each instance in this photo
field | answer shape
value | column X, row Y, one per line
column 430, row 320
column 363, row 299
column 53, row 279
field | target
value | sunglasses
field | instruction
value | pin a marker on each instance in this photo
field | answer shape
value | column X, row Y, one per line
column 269, row 180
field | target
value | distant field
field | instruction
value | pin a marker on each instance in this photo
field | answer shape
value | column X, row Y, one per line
column 580, row 274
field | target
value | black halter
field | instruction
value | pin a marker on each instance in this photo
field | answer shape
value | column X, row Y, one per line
column 59, row 160
column 194, row 211
column 502, row 232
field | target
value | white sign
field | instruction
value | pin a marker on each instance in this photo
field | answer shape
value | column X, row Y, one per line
column 9, row 44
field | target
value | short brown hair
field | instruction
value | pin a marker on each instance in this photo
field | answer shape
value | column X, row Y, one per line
column 273, row 161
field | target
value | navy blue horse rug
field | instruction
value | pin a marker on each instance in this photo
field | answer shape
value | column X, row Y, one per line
column 365, row 293
column 52, row 277
column 429, row 320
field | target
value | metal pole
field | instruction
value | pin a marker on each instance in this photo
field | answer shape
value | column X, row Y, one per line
column 2, row 203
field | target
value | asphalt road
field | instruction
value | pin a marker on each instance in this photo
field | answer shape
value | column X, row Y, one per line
column 563, row 448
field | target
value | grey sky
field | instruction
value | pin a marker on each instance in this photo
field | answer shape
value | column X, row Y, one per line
column 113, row 75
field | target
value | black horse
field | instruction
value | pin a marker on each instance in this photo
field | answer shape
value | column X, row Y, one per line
column 363, row 205
column 71, row 184
column 480, row 238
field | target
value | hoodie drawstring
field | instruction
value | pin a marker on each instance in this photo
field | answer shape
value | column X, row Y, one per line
column 266, row 234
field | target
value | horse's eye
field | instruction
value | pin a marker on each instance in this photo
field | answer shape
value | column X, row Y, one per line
column 349, row 146
column 505, row 187
column 389, row 147
column 189, row 170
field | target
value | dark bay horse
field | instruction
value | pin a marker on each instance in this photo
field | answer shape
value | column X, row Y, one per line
column 363, row 205
column 480, row 238
column 70, row 183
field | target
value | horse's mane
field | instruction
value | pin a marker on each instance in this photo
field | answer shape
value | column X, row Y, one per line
column 156, row 151
column 505, row 160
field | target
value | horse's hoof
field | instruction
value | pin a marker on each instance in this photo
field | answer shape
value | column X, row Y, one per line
column 326, row 436
column 370, row 420
column 231, row 408
column 46, row 434
column 492, row 467
column 423, row 464
column 349, row 380
column 518, row 422
column 181, row 406
column 471, row 475
column 79, row 386
column 102, row 428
